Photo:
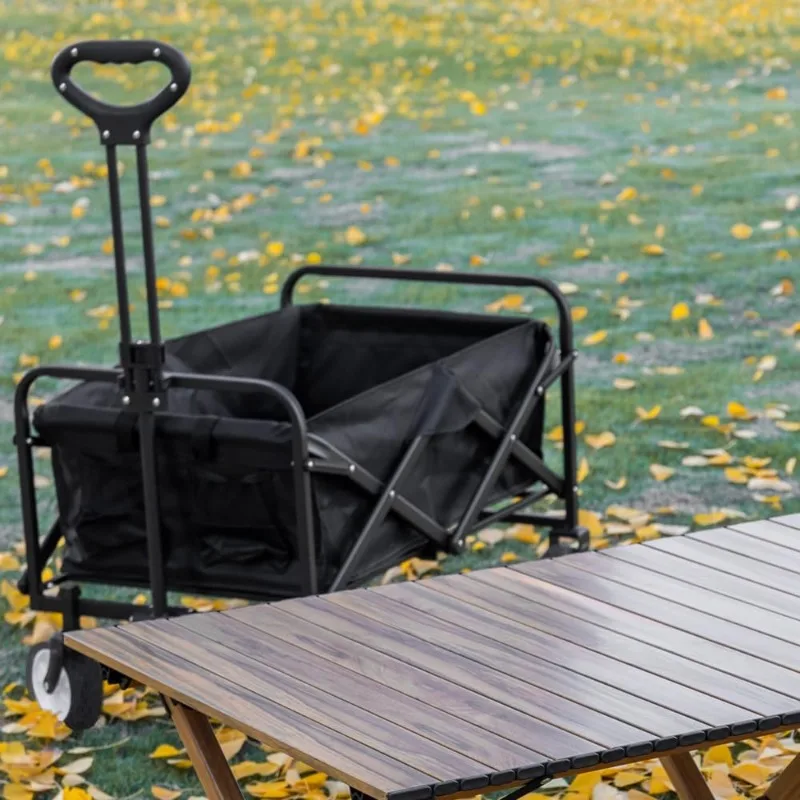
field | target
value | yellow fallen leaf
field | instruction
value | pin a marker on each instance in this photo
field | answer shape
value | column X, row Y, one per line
column 707, row 519
column 585, row 782
column 704, row 330
column 751, row 772
column 628, row 193
column 679, row 312
column 736, row 475
column 509, row 302
column 77, row 793
column 77, row 767
column 600, row 440
column 165, row 751
column 626, row 778
column 624, row 384
column 653, row 250
column 581, row 252
column 242, row 169
column 741, row 231
column 162, row 793
column 595, row 338
column 591, row 521
column 738, row 411
column 55, row 341
column 645, row 415
column 14, row 791
column 579, row 313
column 776, row 93
column 660, row 472
column 783, row 288
column 617, row 485
column 354, row 236
column 583, row 472
column 274, row 790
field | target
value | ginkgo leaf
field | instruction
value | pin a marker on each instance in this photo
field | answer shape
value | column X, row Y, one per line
column 653, row 250
column 661, row 472
column 709, row 518
column 77, row 767
column 645, row 415
column 595, row 338
column 165, row 751
column 704, row 330
column 624, row 384
column 741, row 231
column 616, row 485
column 600, row 440
column 162, row 793
column 679, row 312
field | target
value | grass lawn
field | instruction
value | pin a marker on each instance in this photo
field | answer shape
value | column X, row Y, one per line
column 645, row 156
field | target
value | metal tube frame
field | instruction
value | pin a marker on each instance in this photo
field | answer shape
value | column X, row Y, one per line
column 147, row 387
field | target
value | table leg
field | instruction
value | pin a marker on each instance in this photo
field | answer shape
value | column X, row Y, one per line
column 787, row 785
column 687, row 779
column 204, row 751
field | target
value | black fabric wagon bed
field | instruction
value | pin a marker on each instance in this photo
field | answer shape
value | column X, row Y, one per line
column 368, row 379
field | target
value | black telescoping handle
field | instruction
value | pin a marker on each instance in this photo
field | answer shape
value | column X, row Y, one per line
column 122, row 124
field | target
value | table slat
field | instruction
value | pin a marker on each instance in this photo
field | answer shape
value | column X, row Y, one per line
column 541, row 735
column 771, row 532
column 390, row 670
column 325, row 748
column 312, row 703
column 790, row 520
column 706, row 679
column 672, row 705
column 666, row 563
column 224, row 634
column 692, row 620
column 734, row 662
column 751, row 548
column 726, row 561
column 741, row 610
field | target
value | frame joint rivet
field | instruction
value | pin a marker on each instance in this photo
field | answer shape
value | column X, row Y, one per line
column 74, row 52
column 173, row 87
column 156, row 402
column 106, row 134
column 136, row 134
column 310, row 464
column 62, row 87
column 126, row 401
column 351, row 468
column 157, row 52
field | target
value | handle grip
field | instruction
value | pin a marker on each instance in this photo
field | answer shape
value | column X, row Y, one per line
column 122, row 124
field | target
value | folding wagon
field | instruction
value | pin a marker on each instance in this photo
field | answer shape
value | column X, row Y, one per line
column 296, row 452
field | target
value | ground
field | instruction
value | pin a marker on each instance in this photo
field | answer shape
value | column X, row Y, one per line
column 644, row 156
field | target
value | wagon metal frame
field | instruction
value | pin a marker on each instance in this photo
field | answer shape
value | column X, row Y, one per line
column 146, row 387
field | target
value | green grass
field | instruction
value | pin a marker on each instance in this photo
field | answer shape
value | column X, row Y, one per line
column 543, row 145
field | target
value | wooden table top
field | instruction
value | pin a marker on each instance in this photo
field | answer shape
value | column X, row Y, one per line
column 453, row 683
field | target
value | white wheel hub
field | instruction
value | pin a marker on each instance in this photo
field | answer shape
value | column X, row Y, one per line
column 60, row 699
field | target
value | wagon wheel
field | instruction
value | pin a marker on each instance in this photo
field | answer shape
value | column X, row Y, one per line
column 75, row 695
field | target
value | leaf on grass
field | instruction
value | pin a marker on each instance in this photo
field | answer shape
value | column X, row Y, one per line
column 595, row 338
column 704, row 330
column 736, row 475
column 162, row 793
column 626, row 778
column 653, row 250
column 660, row 472
column 274, row 790
column 679, row 312
column 600, row 440
column 752, row 773
column 738, row 411
column 617, row 485
column 624, row 384
column 741, row 231
column 706, row 519
column 645, row 415
column 165, row 751
column 77, row 767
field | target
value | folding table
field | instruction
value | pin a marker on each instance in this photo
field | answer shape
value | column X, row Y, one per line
column 500, row 678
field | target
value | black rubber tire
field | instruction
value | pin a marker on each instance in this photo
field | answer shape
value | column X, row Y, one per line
column 85, row 679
